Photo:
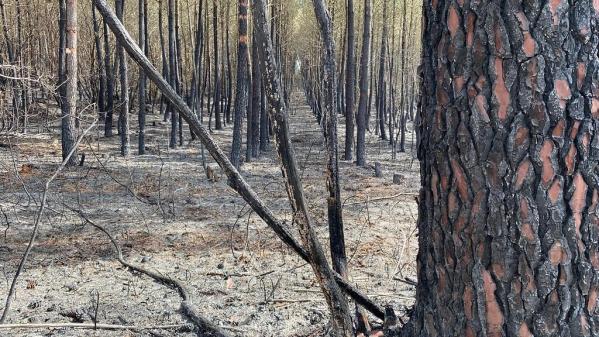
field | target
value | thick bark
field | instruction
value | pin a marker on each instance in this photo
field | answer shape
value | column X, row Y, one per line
column 241, row 89
column 508, row 149
column 68, row 79
column 362, row 114
column 237, row 181
column 350, row 82
column 124, row 86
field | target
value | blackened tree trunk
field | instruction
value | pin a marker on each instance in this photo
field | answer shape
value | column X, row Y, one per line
column 256, row 101
column 350, row 82
column 101, row 71
column 382, row 84
column 217, row 85
column 336, row 237
column 241, row 89
column 142, row 81
column 124, row 86
column 265, row 129
column 508, row 206
column 362, row 114
column 68, row 78
column 229, row 94
column 172, row 55
column 109, row 114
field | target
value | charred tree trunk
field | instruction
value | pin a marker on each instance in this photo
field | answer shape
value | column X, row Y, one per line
column 124, row 79
column 362, row 114
column 68, row 78
column 172, row 56
column 350, row 82
column 336, row 236
column 256, row 101
column 217, row 80
column 229, row 94
column 241, row 89
column 100, row 67
column 109, row 114
column 141, row 146
column 507, row 144
column 382, row 83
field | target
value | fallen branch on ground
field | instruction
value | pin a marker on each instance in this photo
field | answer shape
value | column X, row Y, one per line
column 91, row 326
column 36, row 223
column 206, row 328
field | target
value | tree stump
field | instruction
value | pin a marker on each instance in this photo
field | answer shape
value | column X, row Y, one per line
column 378, row 171
column 397, row 178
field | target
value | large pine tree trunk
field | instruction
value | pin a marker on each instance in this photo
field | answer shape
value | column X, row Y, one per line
column 508, row 221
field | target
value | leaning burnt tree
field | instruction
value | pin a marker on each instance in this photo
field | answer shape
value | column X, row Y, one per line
column 508, row 149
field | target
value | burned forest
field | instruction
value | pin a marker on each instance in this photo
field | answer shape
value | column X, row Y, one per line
column 302, row 168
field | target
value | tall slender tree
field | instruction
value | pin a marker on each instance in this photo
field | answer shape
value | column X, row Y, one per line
column 337, row 240
column 142, row 79
column 350, row 81
column 124, row 86
column 381, row 104
column 241, row 91
column 101, row 95
column 363, row 104
column 217, row 79
column 68, row 77
column 173, row 71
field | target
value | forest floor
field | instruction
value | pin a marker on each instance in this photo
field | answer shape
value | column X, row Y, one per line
column 169, row 218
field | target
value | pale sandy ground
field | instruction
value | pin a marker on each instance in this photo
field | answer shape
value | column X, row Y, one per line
column 202, row 233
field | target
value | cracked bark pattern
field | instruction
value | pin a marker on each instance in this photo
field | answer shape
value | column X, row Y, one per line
column 508, row 222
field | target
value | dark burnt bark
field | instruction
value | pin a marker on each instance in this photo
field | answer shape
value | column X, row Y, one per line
column 124, row 86
column 109, row 115
column 256, row 100
column 508, row 148
column 173, row 71
column 336, row 236
column 141, row 146
column 363, row 105
column 241, row 89
column 350, row 82
column 381, row 106
column 217, row 80
column 101, row 95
